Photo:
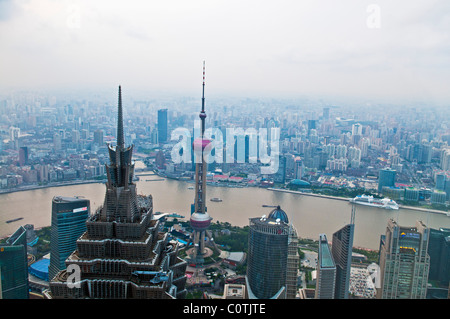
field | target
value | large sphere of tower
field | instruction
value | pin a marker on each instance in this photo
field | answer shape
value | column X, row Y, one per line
column 200, row 221
column 202, row 146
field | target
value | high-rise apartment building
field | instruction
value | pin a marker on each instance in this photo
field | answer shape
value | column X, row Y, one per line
column 123, row 254
column 326, row 113
column 299, row 169
column 162, row 126
column 98, row 137
column 326, row 271
column 404, row 262
column 69, row 215
column 23, row 155
column 57, row 142
column 14, row 266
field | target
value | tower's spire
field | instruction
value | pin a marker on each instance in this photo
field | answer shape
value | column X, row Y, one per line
column 199, row 147
column 202, row 113
column 120, row 139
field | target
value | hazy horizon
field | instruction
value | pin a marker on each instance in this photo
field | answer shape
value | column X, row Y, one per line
column 360, row 49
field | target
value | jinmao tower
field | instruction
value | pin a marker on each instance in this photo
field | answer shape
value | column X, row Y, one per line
column 200, row 219
column 122, row 254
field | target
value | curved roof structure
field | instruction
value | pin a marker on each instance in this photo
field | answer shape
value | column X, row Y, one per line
column 280, row 214
column 300, row 182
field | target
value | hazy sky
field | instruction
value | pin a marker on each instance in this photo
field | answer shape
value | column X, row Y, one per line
column 393, row 48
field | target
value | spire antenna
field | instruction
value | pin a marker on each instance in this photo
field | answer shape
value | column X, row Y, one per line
column 120, row 139
column 202, row 113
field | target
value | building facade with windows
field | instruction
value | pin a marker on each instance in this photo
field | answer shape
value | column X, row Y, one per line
column 69, row 215
column 14, row 266
column 404, row 262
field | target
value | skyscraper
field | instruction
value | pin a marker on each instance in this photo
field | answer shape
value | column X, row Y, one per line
column 341, row 250
column 69, row 215
column 14, row 266
column 404, row 262
column 292, row 263
column 200, row 219
column 439, row 251
column 267, row 259
column 326, row 271
column 162, row 126
column 123, row 254
column 386, row 178
column 98, row 137
column 298, row 168
column 280, row 175
column 326, row 113
column 23, row 156
column 57, row 143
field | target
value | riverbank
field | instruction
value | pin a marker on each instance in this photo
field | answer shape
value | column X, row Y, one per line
column 69, row 183
column 348, row 199
column 308, row 194
column 59, row 184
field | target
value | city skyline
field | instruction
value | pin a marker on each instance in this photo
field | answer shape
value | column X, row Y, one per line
column 349, row 99
column 380, row 50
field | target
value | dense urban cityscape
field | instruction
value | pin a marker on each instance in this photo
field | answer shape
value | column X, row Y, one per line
column 47, row 142
column 122, row 193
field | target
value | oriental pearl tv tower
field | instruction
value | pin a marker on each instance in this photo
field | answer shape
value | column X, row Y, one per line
column 200, row 219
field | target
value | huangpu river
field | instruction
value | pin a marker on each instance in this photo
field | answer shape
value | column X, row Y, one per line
column 311, row 215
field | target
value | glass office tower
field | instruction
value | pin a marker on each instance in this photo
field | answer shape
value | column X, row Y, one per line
column 268, row 245
column 14, row 266
column 341, row 250
column 386, row 178
column 69, row 215
column 326, row 271
column 162, row 126
column 439, row 251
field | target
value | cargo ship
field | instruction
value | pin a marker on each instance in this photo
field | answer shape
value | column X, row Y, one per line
column 369, row 200
column 14, row 220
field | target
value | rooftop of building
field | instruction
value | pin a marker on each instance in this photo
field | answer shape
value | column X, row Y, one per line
column 66, row 199
column 326, row 260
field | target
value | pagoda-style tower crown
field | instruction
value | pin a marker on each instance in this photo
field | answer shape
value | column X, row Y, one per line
column 120, row 200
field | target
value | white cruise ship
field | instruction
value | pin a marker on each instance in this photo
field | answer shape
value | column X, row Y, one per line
column 368, row 200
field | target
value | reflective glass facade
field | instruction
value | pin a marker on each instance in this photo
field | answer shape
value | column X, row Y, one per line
column 326, row 271
column 14, row 267
column 69, row 215
column 267, row 257
column 342, row 255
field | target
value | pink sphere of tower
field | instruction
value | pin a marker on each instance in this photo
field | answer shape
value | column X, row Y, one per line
column 200, row 145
